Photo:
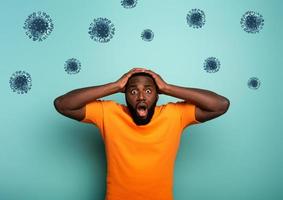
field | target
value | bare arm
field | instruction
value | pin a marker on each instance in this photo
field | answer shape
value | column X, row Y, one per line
column 209, row 105
column 72, row 104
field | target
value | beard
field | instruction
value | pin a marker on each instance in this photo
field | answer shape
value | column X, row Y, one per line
column 138, row 120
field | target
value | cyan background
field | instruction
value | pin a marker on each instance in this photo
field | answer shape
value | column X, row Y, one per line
column 44, row 155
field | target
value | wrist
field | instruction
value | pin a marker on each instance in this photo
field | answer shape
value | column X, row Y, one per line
column 117, row 87
column 165, row 89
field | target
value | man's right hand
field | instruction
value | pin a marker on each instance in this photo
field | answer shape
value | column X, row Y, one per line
column 124, row 79
column 72, row 104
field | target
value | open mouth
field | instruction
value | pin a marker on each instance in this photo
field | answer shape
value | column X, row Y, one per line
column 142, row 110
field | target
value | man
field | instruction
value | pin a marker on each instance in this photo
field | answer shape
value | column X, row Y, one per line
column 141, row 139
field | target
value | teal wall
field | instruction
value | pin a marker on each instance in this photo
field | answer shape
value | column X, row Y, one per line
column 44, row 155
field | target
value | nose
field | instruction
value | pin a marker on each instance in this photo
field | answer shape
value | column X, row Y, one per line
column 141, row 96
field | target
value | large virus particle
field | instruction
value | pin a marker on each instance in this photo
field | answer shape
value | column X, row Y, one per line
column 20, row 82
column 211, row 65
column 38, row 26
column 147, row 35
column 252, row 22
column 196, row 18
column 253, row 83
column 129, row 3
column 72, row 66
column 101, row 30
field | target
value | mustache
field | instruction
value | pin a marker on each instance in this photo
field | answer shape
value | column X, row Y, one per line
column 136, row 118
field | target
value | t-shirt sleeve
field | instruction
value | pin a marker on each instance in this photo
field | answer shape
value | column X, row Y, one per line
column 187, row 113
column 94, row 113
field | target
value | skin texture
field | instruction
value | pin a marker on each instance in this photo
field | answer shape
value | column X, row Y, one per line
column 209, row 105
column 141, row 89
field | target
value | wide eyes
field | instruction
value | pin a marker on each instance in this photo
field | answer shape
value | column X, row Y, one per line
column 134, row 91
column 148, row 91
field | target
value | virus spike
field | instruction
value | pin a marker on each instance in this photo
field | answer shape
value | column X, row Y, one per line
column 211, row 65
column 147, row 35
column 129, row 3
column 196, row 18
column 101, row 30
column 72, row 66
column 252, row 22
column 38, row 26
column 253, row 83
column 20, row 82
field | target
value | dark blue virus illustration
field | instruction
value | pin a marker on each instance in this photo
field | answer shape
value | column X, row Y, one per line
column 72, row 66
column 129, row 3
column 147, row 35
column 254, row 83
column 211, row 65
column 252, row 22
column 101, row 30
column 20, row 82
column 38, row 26
column 196, row 18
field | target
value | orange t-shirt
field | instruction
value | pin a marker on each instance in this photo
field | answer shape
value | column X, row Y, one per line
column 140, row 159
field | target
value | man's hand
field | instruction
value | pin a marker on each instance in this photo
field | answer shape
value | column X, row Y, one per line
column 161, row 84
column 124, row 79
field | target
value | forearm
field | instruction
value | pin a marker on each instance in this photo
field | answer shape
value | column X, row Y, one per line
column 78, row 98
column 204, row 99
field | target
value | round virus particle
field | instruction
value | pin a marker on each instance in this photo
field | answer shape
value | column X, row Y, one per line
column 38, row 26
column 147, row 35
column 253, row 83
column 72, row 66
column 129, row 3
column 252, row 22
column 20, row 82
column 211, row 65
column 101, row 30
column 196, row 18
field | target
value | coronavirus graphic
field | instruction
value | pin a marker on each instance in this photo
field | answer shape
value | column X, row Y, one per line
column 101, row 30
column 20, row 82
column 253, row 83
column 72, row 66
column 38, row 26
column 252, row 22
column 211, row 65
column 147, row 35
column 129, row 3
column 196, row 18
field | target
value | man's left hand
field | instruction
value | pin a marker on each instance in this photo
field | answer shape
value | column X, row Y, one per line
column 161, row 84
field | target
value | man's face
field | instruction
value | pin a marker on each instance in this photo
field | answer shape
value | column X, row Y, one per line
column 141, row 98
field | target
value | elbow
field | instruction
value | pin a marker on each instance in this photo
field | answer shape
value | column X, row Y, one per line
column 224, row 106
column 58, row 105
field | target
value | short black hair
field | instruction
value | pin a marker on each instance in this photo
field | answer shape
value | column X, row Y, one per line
column 141, row 74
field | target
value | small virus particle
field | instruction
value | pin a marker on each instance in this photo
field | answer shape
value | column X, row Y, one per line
column 20, row 82
column 211, row 65
column 253, row 83
column 38, row 26
column 252, row 22
column 196, row 18
column 129, row 3
column 147, row 35
column 72, row 66
column 101, row 30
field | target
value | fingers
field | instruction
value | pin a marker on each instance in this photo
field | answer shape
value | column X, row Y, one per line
column 153, row 74
column 139, row 69
column 135, row 70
